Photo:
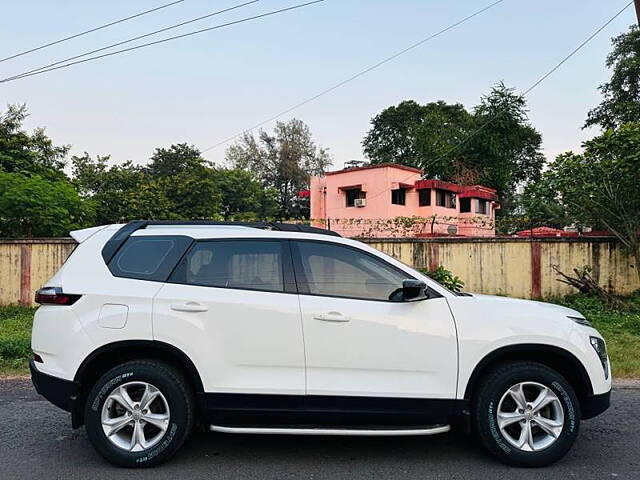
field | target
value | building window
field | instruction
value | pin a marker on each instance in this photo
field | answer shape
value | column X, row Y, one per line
column 424, row 197
column 399, row 196
column 352, row 194
column 445, row 199
column 482, row 207
column 465, row 205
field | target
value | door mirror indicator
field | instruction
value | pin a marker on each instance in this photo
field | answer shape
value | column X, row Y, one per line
column 413, row 290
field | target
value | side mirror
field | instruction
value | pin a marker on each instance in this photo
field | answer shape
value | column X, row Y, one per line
column 413, row 290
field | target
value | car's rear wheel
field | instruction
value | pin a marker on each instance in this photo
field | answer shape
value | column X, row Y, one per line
column 526, row 414
column 139, row 413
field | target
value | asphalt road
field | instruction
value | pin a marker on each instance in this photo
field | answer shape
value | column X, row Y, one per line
column 36, row 441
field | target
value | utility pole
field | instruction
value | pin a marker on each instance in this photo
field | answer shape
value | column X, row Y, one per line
column 637, row 2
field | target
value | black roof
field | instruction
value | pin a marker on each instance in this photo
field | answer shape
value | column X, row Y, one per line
column 116, row 241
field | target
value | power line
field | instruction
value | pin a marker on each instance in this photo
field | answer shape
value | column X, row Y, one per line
column 171, row 27
column 215, row 27
column 530, row 89
column 91, row 30
column 357, row 75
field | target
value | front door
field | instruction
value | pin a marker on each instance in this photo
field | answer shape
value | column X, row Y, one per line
column 357, row 341
column 231, row 306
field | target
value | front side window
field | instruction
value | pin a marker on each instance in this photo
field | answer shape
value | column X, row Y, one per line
column 329, row 269
column 242, row 264
column 398, row 196
column 465, row 205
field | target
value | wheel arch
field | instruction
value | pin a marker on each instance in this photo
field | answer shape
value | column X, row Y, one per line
column 559, row 359
column 107, row 356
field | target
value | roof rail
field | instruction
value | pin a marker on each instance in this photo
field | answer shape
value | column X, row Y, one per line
column 118, row 239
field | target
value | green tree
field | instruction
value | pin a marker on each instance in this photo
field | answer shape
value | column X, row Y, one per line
column 34, row 206
column 507, row 151
column 283, row 161
column 110, row 189
column 600, row 186
column 187, row 181
column 243, row 197
column 36, row 197
column 494, row 145
column 418, row 135
column 176, row 160
column 177, row 184
column 621, row 102
column 25, row 153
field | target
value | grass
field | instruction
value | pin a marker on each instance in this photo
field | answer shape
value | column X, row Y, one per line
column 15, row 339
column 621, row 329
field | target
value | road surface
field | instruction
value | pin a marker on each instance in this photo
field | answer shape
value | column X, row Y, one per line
column 37, row 442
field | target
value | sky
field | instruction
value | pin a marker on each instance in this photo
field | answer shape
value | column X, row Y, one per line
column 208, row 87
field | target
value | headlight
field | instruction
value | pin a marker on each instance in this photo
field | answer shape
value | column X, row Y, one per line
column 601, row 349
column 581, row 321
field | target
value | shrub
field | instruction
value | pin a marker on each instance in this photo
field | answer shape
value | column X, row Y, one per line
column 445, row 278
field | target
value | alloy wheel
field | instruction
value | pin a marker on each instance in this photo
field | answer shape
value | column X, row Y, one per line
column 530, row 416
column 135, row 416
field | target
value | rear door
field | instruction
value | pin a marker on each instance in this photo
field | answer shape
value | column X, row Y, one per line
column 231, row 306
column 357, row 341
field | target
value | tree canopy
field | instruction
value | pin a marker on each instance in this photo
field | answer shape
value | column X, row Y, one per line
column 28, row 153
column 621, row 94
column 283, row 161
column 598, row 187
column 493, row 145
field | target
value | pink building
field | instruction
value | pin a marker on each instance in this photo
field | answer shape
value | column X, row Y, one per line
column 393, row 200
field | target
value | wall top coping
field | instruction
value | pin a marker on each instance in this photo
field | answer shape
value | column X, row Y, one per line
column 69, row 240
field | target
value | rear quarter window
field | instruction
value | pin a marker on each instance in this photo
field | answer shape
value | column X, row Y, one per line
column 150, row 257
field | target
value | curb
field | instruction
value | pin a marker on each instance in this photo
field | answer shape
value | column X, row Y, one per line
column 627, row 383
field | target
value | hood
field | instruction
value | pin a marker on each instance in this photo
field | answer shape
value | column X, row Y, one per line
column 549, row 308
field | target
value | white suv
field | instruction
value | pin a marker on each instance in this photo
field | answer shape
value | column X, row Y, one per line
column 152, row 327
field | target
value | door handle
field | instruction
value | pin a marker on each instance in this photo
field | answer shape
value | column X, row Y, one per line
column 189, row 307
column 332, row 317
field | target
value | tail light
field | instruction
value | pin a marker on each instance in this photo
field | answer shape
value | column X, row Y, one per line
column 54, row 296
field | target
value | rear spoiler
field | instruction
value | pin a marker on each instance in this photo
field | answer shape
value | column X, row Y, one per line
column 84, row 234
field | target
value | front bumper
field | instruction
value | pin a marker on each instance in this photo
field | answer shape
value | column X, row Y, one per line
column 62, row 393
column 594, row 405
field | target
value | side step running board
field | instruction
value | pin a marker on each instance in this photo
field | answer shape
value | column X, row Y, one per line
column 381, row 432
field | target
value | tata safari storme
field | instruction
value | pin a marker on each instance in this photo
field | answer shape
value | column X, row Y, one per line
column 150, row 328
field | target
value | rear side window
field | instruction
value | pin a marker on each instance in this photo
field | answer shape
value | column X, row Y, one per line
column 149, row 258
column 242, row 264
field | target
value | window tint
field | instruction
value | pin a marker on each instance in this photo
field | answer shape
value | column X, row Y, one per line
column 246, row 264
column 424, row 195
column 148, row 258
column 465, row 205
column 338, row 271
column 398, row 196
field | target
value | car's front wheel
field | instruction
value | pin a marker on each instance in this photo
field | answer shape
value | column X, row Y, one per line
column 139, row 413
column 526, row 414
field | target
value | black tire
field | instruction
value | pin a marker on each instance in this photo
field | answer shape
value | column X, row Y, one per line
column 179, row 398
column 485, row 407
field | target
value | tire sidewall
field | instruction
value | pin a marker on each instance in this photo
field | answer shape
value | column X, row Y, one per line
column 487, row 422
column 179, row 422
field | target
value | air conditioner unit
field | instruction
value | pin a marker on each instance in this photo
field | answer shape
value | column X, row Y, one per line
column 360, row 202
